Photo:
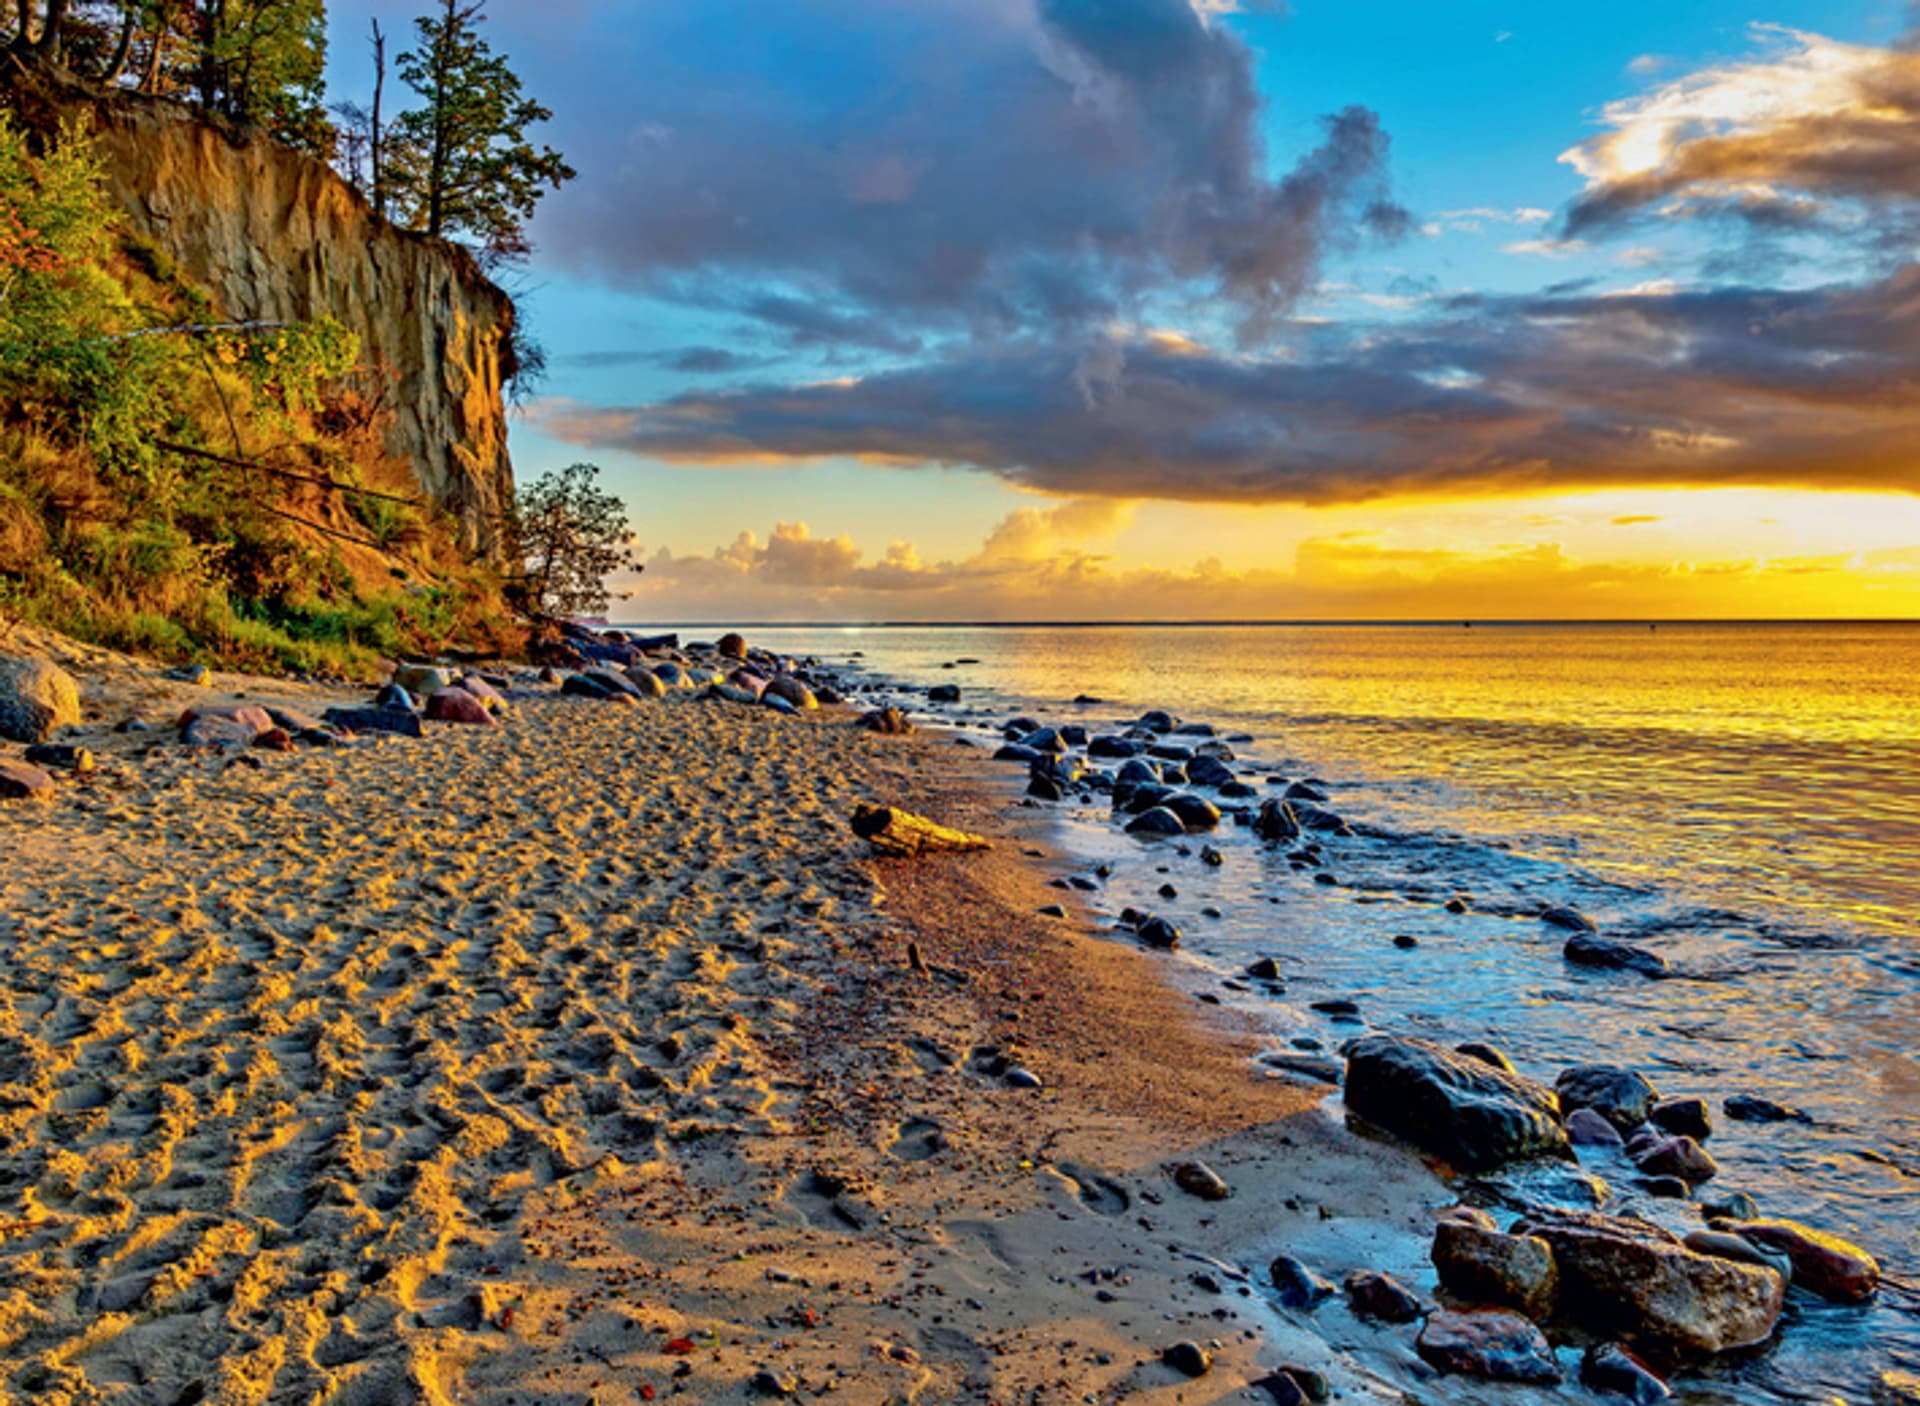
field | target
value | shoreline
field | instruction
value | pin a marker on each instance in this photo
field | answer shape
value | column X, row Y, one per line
column 353, row 1066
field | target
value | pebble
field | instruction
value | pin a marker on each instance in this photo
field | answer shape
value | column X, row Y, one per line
column 1198, row 1179
column 1189, row 1359
column 1019, row 1078
column 1380, row 1296
column 1296, row 1286
column 1158, row 932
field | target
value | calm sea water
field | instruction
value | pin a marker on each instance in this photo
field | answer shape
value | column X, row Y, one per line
column 1745, row 799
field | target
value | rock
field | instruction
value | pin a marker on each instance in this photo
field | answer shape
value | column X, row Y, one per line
column 215, row 731
column 1304, row 791
column 732, row 646
column 770, row 1383
column 645, row 681
column 1158, row 821
column 1572, row 919
column 1611, row 1370
column 1585, row 949
column 944, row 693
column 199, row 675
column 1158, row 932
column 1486, row 1054
column 790, row 690
column 22, row 782
column 1473, row 1115
column 1621, row 1096
column 1156, row 721
column 673, row 676
column 585, row 686
column 1729, row 1246
column 1494, row 1346
column 1585, row 1128
column 1189, row 1359
column 36, row 698
column 1628, row 1277
column 1276, row 822
column 1381, row 1297
column 456, row 705
column 392, row 720
column 1747, row 1108
column 1283, row 1388
column 1296, row 1286
column 616, row 685
column 274, row 739
column 1265, row 969
column 394, row 696
column 778, row 704
column 1196, row 813
column 1205, row 771
column 1313, row 817
column 1053, row 910
column 1677, row 1157
column 249, row 718
column 422, row 679
column 1666, row 1188
column 1835, row 1269
column 1198, row 1179
column 1478, row 1265
column 1324, row 1071
column 1014, row 752
column 1045, row 788
column 1045, row 740
column 1114, row 748
column 1211, row 857
column 1307, row 1384
column 890, row 722
column 292, row 719
column 1688, row 1116
column 1338, row 1005
column 61, row 756
column 1018, row 1078
column 1736, row 1205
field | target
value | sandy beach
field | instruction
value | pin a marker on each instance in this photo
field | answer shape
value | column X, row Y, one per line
column 583, row 1060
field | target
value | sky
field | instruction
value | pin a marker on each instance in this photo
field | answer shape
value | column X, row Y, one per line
column 1217, row 309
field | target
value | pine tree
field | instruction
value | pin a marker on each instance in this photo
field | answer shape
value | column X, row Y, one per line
column 461, row 167
column 570, row 533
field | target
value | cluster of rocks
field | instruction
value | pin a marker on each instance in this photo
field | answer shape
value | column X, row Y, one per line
column 631, row 669
column 37, row 699
column 1622, row 1280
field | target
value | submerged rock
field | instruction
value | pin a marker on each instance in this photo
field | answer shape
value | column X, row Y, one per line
column 1473, row 1115
column 1495, row 1346
column 1585, row 949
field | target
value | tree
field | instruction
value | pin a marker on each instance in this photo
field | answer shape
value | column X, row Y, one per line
column 263, row 63
column 461, row 165
column 570, row 533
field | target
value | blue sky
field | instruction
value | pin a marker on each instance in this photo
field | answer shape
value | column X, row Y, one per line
column 908, row 273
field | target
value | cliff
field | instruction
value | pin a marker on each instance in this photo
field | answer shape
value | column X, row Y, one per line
column 274, row 235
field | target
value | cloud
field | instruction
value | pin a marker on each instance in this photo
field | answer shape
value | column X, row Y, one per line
column 869, row 175
column 1483, row 395
column 1806, row 136
column 699, row 361
column 1635, row 519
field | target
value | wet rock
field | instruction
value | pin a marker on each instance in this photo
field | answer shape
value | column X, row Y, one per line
column 1014, row 752
column 1324, row 1071
column 1835, row 1269
column 1158, row 932
column 1205, row 771
column 1585, row 1128
column 1338, row 1005
column 1158, row 821
column 1114, row 748
column 1405, row 941
column 1045, row 740
column 1313, row 817
column 1156, row 721
column 1043, row 787
column 1276, row 823
column 1479, row 1265
column 889, row 722
column 1585, row 949
column 1611, row 1370
column 1571, row 919
column 1053, row 910
column 1188, row 1358
column 1211, row 857
column 1265, row 969
column 1686, row 1116
column 1381, row 1297
column 1296, row 1286
column 1283, row 1388
column 1729, row 1246
column 36, row 698
column 770, row 1383
column 1304, row 791
column 1494, row 1346
column 1621, row 1096
column 20, row 781
column 1634, row 1279
column 1666, row 1188
column 1473, row 1115
column 944, row 693
column 1736, row 1206
column 1749, row 1108
column 1019, row 1078
column 61, row 756
column 1196, row 813
column 1198, row 1179
column 1678, row 1157
column 1486, row 1054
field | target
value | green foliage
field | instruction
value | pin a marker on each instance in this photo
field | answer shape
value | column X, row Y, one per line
column 263, row 63
column 571, row 534
column 461, row 166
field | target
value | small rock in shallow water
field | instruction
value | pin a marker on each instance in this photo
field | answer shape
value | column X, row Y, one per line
column 1479, row 1265
column 1296, row 1286
column 1470, row 1113
column 1683, row 1115
column 1189, row 1359
column 1156, row 823
column 1729, row 1246
column 1265, row 969
column 1621, row 1096
column 1835, row 1269
column 1158, row 932
column 1198, row 1179
column 1678, row 1157
column 1405, row 941
column 1379, row 1296
column 1586, row 949
column 1571, row 919
column 1585, row 1128
column 1747, row 1108
column 1666, row 1188
column 1494, row 1346
column 1610, row 1369
column 1053, row 910
column 1738, row 1206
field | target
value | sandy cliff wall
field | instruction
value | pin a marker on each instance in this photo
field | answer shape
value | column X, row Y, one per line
column 274, row 235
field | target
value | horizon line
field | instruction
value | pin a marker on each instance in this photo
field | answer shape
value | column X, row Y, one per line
column 1429, row 622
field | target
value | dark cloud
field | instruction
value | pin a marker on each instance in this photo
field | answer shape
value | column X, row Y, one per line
column 1733, row 386
column 693, row 361
column 871, row 175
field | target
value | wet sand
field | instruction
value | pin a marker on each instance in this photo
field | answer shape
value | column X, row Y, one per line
column 582, row 1060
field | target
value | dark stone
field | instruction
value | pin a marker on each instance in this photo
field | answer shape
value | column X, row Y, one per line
column 1339, row 1005
column 1491, row 1345
column 1585, row 949
column 1473, row 1115
column 1585, row 1128
column 1157, row 721
column 1381, row 1297
column 1486, row 1054
column 1114, row 748
column 1610, row 1369
column 1019, row 1078
column 1665, row 1188
column 1265, row 969
column 1304, row 791
column 1621, row 1096
column 1196, row 812
column 1014, row 752
column 1735, row 1206
column 1686, row 1116
column 1189, row 1359
column 1296, row 1286
column 1405, row 941
column 1053, row 910
column 1159, row 821
column 1480, row 1265
column 1205, row 771
column 1572, row 919
column 390, row 720
column 394, row 696
column 1158, row 932
column 1198, row 1179
column 22, row 782
column 944, row 693
column 60, row 756
column 1747, row 1108
column 1045, row 788
column 1276, row 823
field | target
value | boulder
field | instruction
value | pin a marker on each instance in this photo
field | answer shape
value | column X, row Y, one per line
column 1276, row 823
column 1494, row 1346
column 1632, row 1278
column 1835, row 1269
column 36, row 697
column 890, row 722
column 1481, row 1266
column 1205, row 771
column 1680, row 1157
column 790, row 690
column 944, row 693
column 1473, row 1115
column 1621, row 1096
column 615, row 683
column 1585, row 949
column 390, row 720
column 646, row 681
column 1611, row 1370
column 1689, row 1116
column 1114, row 748
column 22, row 782
column 1156, row 822
column 672, row 675
column 1729, row 1246
column 1156, row 721
column 1196, row 813
column 732, row 646
column 423, row 679
column 1381, row 1297
column 456, row 705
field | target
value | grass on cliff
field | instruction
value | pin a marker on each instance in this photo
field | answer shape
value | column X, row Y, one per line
column 108, row 535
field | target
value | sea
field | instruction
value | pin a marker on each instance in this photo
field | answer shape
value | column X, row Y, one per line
column 1742, row 798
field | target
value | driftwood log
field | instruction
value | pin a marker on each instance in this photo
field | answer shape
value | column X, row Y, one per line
column 906, row 835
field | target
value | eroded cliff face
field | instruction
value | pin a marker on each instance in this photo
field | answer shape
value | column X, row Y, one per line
column 274, row 235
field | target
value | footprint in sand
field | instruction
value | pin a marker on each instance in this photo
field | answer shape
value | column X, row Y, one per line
column 917, row 1139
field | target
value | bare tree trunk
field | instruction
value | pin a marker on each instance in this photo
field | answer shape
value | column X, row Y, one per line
column 117, row 64
column 24, row 38
column 374, row 135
